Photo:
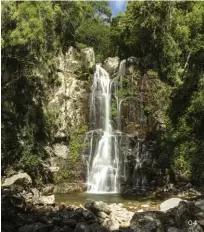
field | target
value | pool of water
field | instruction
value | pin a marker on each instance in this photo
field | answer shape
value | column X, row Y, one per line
column 130, row 202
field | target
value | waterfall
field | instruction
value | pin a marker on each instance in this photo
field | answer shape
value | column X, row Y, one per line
column 107, row 154
column 103, row 161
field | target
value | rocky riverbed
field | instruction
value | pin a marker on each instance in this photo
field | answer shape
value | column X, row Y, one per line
column 29, row 209
column 175, row 215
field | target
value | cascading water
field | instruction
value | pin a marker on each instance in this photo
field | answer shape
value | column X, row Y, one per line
column 107, row 153
column 103, row 164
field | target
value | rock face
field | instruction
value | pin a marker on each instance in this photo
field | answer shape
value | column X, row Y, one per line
column 111, row 64
column 61, row 150
column 21, row 179
column 67, row 105
column 69, row 187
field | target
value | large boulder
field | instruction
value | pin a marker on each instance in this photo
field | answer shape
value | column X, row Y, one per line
column 150, row 221
column 111, row 64
column 182, row 214
column 82, row 227
column 170, row 203
column 97, row 206
column 20, row 179
column 200, row 204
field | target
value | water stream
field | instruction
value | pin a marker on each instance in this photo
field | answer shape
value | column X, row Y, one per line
column 106, row 146
column 103, row 162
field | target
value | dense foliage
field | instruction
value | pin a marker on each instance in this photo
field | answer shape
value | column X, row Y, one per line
column 169, row 38
column 32, row 35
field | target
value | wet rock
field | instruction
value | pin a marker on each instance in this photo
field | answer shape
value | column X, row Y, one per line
column 18, row 202
column 173, row 229
column 170, row 203
column 20, row 179
column 69, row 222
column 57, row 220
column 189, row 185
column 82, row 227
column 66, row 229
column 97, row 206
column 200, row 204
column 56, row 229
column 47, row 200
column 44, row 200
column 77, row 216
column 88, row 215
column 95, row 227
column 194, row 228
column 150, row 221
column 7, row 228
column 180, row 215
column 79, row 210
column 113, row 225
column 36, row 227
column 133, row 60
column 102, row 215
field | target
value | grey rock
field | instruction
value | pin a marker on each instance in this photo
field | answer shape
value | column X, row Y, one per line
column 173, row 229
column 71, row 61
column 194, row 228
column 97, row 206
column 44, row 200
column 189, row 185
column 20, row 179
column 57, row 229
column 133, row 60
column 111, row 64
column 88, row 215
column 102, row 214
column 36, row 227
column 200, row 204
column 69, row 187
column 95, row 227
column 150, row 221
column 66, row 229
column 7, row 228
column 61, row 150
column 89, row 57
column 113, row 225
column 69, row 222
column 82, row 227
column 170, row 203
column 48, row 189
column 181, row 214
column 77, row 216
column 57, row 220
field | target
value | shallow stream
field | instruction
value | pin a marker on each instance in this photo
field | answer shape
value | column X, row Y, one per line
column 129, row 202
